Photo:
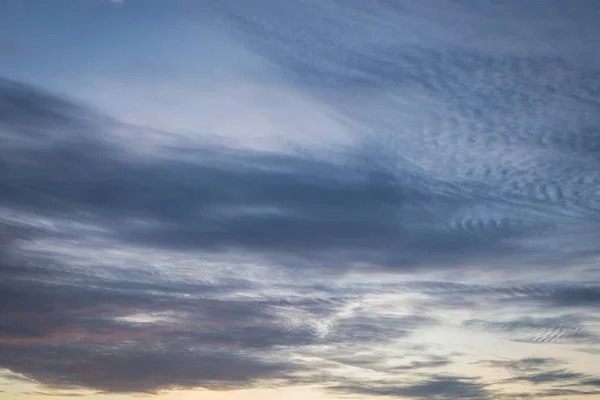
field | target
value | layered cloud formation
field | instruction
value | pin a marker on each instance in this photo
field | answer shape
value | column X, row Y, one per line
column 446, row 248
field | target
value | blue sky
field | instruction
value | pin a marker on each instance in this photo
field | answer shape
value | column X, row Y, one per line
column 311, row 199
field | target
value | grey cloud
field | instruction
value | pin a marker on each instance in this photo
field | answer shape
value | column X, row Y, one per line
column 363, row 43
column 134, row 334
column 25, row 109
column 433, row 362
column 281, row 207
column 591, row 382
column 496, row 99
column 435, row 387
column 571, row 296
column 525, row 364
column 571, row 383
column 391, row 355
column 549, row 296
column 89, row 309
column 544, row 372
column 143, row 366
column 517, row 128
column 67, row 330
column 568, row 392
column 561, row 329
column 545, row 377
column 55, row 394
column 548, row 394
column 93, row 353
column 378, row 328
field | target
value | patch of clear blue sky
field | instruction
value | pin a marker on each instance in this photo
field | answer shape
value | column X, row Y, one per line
column 50, row 39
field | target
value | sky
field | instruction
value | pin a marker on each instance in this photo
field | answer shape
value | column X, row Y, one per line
column 309, row 199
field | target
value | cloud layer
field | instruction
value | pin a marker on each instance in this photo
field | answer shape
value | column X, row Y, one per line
column 464, row 211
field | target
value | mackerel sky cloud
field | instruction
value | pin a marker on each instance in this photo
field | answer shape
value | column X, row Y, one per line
column 311, row 199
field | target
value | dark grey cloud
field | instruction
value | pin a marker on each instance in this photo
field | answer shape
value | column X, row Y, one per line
column 571, row 296
column 144, row 366
column 557, row 297
column 568, row 392
column 132, row 333
column 591, row 382
column 436, row 387
column 281, row 207
column 68, row 336
column 55, row 394
column 565, row 382
column 80, row 330
column 548, row 375
column 549, row 393
column 557, row 376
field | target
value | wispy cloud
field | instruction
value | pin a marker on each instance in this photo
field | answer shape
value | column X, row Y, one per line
column 437, row 387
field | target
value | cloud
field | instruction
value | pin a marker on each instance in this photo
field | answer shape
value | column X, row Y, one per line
column 436, row 387
column 133, row 333
column 525, row 364
column 553, row 295
column 55, row 394
column 515, row 130
column 543, row 373
column 69, row 330
column 434, row 362
column 466, row 200
column 281, row 207
column 571, row 296
column 561, row 329
column 550, row 393
column 557, row 376
column 591, row 382
column 134, row 337
column 140, row 368
column 378, row 328
column 566, row 379
column 568, row 392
